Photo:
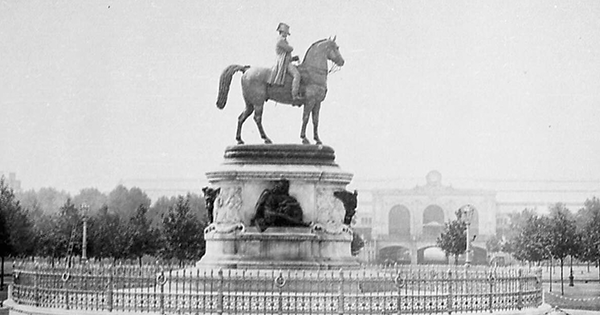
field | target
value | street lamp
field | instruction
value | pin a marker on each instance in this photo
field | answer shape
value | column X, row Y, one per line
column 466, row 215
column 84, row 210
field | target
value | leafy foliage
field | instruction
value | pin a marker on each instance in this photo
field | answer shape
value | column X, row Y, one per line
column 125, row 202
column 144, row 239
column 532, row 240
column 183, row 232
column 589, row 229
column 453, row 240
column 16, row 235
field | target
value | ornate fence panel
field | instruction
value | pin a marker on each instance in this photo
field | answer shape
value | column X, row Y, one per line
column 372, row 290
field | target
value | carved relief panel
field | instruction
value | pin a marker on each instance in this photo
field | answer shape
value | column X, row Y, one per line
column 228, row 205
column 330, row 210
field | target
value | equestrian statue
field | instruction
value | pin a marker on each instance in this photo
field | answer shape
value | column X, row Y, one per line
column 304, row 85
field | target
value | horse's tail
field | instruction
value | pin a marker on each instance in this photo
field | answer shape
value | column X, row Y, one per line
column 225, row 82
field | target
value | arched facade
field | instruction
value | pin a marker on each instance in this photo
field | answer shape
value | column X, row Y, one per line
column 399, row 221
column 412, row 219
column 433, row 221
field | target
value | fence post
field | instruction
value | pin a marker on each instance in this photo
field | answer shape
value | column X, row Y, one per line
column 161, row 280
column 109, row 291
column 341, row 293
column 519, row 290
column 65, row 279
column 10, row 292
column 280, row 282
column 400, row 282
column 36, row 293
column 450, row 290
column 491, row 278
column 540, row 287
column 220, row 293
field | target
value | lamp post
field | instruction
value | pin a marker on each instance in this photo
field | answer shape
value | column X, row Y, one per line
column 467, row 215
column 84, row 210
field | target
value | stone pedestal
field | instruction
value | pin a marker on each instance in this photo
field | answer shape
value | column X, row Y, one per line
column 313, row 175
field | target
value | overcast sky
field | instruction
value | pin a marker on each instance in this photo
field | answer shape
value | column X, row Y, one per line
column 96, row 92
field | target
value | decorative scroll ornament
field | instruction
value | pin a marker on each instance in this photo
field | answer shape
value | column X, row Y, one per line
column 161, row 279
column 65, row 277
column 225, row 228
column 280, row 281
column 330, row 228
column 400, row 280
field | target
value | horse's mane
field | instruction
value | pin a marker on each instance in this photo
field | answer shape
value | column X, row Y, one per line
column 313, row 45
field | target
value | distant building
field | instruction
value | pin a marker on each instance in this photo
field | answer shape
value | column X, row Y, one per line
column 402, row 225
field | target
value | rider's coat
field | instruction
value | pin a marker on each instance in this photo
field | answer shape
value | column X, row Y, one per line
column 283, row 50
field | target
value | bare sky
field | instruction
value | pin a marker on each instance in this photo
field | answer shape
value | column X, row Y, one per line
column 95, row 92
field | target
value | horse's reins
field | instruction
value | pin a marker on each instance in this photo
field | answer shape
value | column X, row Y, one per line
column 334, row 68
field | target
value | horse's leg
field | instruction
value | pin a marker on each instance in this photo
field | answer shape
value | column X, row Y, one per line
column 315, row 121
column 305, row 115
column 258, row 110
column 243, row 116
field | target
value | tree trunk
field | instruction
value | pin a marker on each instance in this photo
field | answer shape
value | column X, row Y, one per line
column 140, row 261
column 588, row 263
column 2, row 274
column 562, row 287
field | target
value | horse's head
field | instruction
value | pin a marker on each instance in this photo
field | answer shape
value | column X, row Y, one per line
column 321, row 51
column 333, row 52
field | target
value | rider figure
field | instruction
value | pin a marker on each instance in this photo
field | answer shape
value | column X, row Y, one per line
column 284, row 62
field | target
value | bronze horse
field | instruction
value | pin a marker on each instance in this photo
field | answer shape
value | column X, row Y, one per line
column 257, row 91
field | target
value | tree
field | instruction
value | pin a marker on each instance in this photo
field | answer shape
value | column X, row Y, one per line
column 493, row 244
column 183, row 232
column 69, row 229
column 159, row 209
column 588, row 224
column 453, row 240
column 563, row 236
column 46, row 200
column 144, row 239
column 91, row 197
column 47, row 231
column 109, row 235
column 125, row 202
column 17, row 226
column 16, row 236
column 532, row 240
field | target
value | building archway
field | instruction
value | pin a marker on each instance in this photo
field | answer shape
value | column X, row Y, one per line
column 433, row 221
column 399, row 221
column 394, row 255
column 431, row 255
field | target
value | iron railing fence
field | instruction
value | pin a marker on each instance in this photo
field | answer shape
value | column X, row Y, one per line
column 371, row 290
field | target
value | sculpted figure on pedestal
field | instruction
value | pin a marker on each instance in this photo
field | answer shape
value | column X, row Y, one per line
column 210, row 195
column 275, row 207
column 284, row 84
column 350, row 201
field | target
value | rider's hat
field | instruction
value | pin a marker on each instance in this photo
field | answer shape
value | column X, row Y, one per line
column 282, row 27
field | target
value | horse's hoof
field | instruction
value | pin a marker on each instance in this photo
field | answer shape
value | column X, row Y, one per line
column 318, row 142
column 305, row 141
column 268, row 141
